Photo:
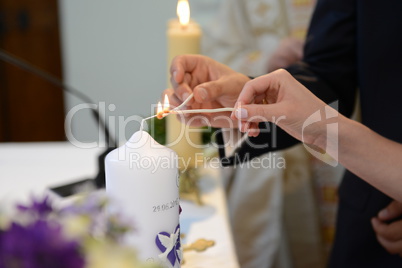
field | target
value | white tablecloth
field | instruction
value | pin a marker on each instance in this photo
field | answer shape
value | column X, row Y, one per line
column 31, row 168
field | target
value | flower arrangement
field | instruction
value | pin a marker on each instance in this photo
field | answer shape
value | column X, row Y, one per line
column 81, row 235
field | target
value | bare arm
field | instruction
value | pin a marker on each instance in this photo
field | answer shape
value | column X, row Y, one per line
column 370, row 156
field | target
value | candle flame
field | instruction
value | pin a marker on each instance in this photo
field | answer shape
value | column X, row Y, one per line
column 166, row 104
column 183, row 12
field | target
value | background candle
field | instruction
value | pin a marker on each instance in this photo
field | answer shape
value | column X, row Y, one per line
column 184, row 37
column 142, row 182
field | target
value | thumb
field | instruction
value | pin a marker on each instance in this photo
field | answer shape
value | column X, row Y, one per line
column 209, row 91
column 392, row 211
column 257, row 112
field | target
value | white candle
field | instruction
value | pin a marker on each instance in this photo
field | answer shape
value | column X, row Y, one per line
column 142, row 182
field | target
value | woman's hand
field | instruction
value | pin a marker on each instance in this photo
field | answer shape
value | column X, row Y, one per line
column 214, row 86
column 279, row 98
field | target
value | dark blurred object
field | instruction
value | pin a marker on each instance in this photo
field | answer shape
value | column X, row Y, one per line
column 111, row 144
column 31, row 109
column 98, row 182
column 100, row 179
column 66, row 190
column 207, row 135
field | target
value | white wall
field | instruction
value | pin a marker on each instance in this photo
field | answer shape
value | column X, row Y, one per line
column 115, row 52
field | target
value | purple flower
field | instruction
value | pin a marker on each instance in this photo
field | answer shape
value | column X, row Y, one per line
column 38, row 245
column 38, row 208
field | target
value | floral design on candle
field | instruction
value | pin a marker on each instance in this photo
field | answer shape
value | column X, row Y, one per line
column 169, row 245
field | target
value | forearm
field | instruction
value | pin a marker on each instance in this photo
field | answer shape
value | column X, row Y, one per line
column 370, row 156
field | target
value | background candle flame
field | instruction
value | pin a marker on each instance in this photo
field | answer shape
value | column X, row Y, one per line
column 183, row 12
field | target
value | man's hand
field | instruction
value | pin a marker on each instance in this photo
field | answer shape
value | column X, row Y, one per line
column 214, row 86
column 389, row 234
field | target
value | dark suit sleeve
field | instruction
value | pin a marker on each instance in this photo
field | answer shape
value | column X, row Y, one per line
column 328, row 69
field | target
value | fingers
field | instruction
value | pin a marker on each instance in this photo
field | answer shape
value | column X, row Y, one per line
column 208, row 92
column 266, row 85
column 182, row 64
column 254, row 132
column 391, row 232
column 392, row 211
column 250, row 115
column 250, row 128
column 389, row 235
column 258, row 112
column 182, row 90
column 177, row 69
column 262, row 88
column 391, row 247
column 181, row 78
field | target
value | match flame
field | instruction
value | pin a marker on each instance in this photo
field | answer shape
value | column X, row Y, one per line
column 159, row 110
column 166, row 104
column 183, row 12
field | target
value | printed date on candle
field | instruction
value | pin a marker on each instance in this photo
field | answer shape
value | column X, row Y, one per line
column 166, row 206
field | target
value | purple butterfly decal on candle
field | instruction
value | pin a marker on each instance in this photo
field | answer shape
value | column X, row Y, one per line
column 169, row 245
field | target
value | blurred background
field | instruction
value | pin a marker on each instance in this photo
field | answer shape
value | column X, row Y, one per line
column 115, row 53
